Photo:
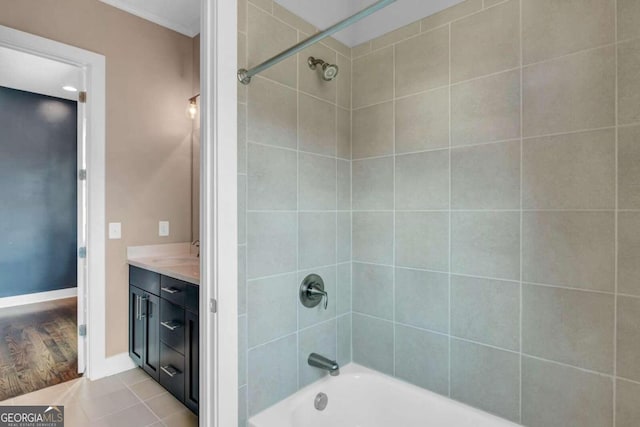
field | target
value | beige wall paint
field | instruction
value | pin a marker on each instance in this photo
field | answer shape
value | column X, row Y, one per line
column 148, row 164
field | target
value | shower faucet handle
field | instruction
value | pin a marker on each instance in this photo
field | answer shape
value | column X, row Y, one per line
column 312, row 292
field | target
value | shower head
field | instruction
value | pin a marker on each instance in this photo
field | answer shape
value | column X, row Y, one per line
column 329, row 71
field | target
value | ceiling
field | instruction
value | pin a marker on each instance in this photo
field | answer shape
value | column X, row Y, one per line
column 31, row 73
column 324, row 13
column 183, row 16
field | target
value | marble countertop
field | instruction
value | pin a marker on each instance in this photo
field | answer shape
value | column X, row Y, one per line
column 173, row 260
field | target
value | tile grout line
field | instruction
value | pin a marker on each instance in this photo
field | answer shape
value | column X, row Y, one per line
column 521, row 302
column 616, row 224
column 450, row 247
column 393, row 272
column 298, row 213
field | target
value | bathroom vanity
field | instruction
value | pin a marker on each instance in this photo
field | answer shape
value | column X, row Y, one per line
column 163, row 323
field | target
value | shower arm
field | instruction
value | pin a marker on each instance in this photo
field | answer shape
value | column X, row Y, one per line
column 245, row 75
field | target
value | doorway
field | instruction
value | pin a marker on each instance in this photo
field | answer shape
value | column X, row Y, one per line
column 42, row 222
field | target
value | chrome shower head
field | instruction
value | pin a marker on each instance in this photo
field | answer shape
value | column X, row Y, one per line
column 329, row 71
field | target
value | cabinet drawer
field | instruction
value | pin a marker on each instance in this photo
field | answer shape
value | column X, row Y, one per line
column 172, row 371
column 193, row 298
column 145, row 280
column 172, row 325
column 173, row 290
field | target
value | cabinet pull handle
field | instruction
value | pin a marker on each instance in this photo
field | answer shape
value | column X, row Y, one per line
column 137, row 307
column 142, row 307
column 171, row 290
column 172, row 326
column 170, row 370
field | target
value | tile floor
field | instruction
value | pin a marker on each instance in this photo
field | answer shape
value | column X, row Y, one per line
column 129, row 399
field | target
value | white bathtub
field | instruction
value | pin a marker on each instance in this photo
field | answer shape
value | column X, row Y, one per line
column 360, row 397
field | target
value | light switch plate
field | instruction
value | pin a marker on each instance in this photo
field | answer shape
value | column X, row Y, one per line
column 163, row 228
column 115, row 230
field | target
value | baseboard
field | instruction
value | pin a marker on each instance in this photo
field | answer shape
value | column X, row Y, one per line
column 112, row 365
column 37, row 297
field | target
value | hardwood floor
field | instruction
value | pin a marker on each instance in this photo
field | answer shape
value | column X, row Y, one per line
column 38, row 346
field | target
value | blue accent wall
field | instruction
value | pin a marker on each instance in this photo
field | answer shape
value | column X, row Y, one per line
column 38, row 193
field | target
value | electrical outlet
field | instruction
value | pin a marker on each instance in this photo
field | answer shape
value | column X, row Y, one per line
column 115, row 230
column 163, row 228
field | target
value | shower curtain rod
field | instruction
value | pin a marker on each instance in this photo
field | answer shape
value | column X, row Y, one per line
column 245, row 75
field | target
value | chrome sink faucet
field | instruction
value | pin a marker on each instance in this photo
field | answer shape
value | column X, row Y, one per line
column 196, row 243
column 318, row 361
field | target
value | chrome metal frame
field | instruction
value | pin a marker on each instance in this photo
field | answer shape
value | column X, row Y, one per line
column 245, row 75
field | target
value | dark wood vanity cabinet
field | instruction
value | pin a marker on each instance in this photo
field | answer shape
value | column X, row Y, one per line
column 164, row 332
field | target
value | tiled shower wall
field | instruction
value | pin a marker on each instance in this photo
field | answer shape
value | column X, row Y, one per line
column 295, row 200
column 496, row 208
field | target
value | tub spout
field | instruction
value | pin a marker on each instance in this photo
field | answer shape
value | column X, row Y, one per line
column 318, row 361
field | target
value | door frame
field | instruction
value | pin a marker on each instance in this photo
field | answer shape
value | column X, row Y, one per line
column 218, row 215
column 91, row 298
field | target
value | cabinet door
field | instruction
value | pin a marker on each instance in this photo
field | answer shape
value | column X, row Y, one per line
column 136, row 325
column 192, row 359
column 151, row 360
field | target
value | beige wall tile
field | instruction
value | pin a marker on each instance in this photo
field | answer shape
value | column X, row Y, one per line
column 628, row 19
column 552, row 28
column 242, row 15
column 263, row 4
column 422, row 240
column 422, row 181
column 627, row 408
column 344, row 133
column 422, row 121
column 268, row 37
column 242, row 138
column 317, row 234
column 373, row 237
column 628, row 349
column 272, row 114
column 629, row 253
column 572, row 93
column 422, row 62
column 486, row 311
column 316, row 125
column 373, row 78
column 373, row 343
column 629, row 167
column 486, row 378
column 395, row 36
column 272, row 178
column 316, row 182
column 489, row 3
column 568, row 326
column 573, row 249
column 294, row 20
column 344, row 185
column 556, row 395
column 373, row 290
column 430, row 372
column 629, row 82
column 361, row 49
column 310, row 80
column 486, row 110
column 344, row 81
column 487, row 42
column 575, row 171
column 372, row 131
column 338, row 46
column 422, row 299
column 486, row 244
column 373, row 184
column 486, row 176
column 242, row 63
column 455, row 12
column 271, row 243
